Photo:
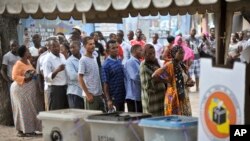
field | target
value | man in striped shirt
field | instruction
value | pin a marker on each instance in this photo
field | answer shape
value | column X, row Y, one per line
column 113, row 78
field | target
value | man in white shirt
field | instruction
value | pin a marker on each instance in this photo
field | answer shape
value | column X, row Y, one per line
column 55, row 73
column 126, row 47
column 9, row 59
column 158, row 46
column 42, row 83
column 34, row 51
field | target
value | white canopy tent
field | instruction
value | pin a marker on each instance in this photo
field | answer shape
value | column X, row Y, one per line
column 100, row 10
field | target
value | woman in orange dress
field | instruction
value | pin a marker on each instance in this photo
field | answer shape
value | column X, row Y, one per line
column 166, row 55
column 176, row 97
column 24, row 96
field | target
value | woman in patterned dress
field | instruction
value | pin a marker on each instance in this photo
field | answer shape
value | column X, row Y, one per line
column 176, row 97
column 24, row 96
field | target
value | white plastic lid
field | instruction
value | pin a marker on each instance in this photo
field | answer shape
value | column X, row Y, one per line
column 66, row 114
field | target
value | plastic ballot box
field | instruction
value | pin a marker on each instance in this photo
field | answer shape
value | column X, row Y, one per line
column 224, row 100
column 170, row 128
column 118, row 126
column 66, row 125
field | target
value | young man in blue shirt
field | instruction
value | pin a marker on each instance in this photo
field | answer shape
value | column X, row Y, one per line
column 132, row 80
column 74, row 90
column 113, row 78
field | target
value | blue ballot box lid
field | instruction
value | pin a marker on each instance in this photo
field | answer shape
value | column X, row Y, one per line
column 173, row 121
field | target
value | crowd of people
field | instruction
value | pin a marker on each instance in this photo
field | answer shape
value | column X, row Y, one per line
column 86, row 72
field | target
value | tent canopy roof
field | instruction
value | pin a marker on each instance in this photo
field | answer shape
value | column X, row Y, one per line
column 108, row 10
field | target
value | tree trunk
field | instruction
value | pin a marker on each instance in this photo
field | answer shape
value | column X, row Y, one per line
column 8, row 31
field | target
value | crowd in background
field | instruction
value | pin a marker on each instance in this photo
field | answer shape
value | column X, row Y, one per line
column 88, row 72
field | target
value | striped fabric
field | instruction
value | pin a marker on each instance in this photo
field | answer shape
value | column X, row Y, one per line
column 153, row 92
column 26, row 105
column 173, row 104
column 113, row 75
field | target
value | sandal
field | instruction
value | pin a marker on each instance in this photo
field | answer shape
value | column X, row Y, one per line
column 20, row 134
column 31, row 134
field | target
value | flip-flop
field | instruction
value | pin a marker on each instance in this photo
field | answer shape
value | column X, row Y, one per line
column 20, row 134
column 31, row 134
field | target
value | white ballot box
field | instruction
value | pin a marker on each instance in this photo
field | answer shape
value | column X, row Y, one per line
column 224, row 100
column 66, row 125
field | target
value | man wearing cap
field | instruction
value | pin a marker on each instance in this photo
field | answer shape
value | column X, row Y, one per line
column 77, row 29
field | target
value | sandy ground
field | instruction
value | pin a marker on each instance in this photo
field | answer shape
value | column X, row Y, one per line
column 9, row 133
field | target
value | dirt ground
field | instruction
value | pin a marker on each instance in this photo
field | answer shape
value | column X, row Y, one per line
column 9, row 133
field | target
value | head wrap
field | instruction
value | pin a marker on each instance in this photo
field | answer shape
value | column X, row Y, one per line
column 189, row 54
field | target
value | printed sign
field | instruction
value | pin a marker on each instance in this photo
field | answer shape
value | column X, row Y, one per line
column 222, row 100
column 221, row 109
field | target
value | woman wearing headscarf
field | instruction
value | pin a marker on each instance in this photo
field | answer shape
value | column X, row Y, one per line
column 189, row 54
column 152, row 89
column 176, row 97
column 24, row 96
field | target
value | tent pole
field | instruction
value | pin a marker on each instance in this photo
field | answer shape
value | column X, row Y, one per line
column 220, row 28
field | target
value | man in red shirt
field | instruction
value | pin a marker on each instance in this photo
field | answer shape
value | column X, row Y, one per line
column 138, row 39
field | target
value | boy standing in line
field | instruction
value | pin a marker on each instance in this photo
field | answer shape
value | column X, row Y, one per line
column 88, row 77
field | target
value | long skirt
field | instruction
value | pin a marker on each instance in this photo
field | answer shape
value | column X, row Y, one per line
column 26, row 105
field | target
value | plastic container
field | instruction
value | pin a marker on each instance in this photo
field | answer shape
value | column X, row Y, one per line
column 66, row 125
column 170, row 128
column 118, row 126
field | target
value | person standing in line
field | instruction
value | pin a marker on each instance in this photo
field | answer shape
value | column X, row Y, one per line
column 130, row 35
column 132, row 80
column 152, row 89
column 101, row 39
column 195, row 66
column 64, row 49
column 113, row 36
column 26, row 38
column 126, row 47
column 89, row 79
column 176, row 96
column 55, row 73
column 74, row 90
column 212, row 40
column 34, row 50
column 42, row 83
column 166, row 55
column 138, row 39
column 24, row 96
column 205, row 46
column 113, row 78
column 9, row 59
column 234, row 49
column 99, row 49
column 158, row 46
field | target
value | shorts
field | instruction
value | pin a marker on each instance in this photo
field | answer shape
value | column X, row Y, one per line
column 195, row 69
